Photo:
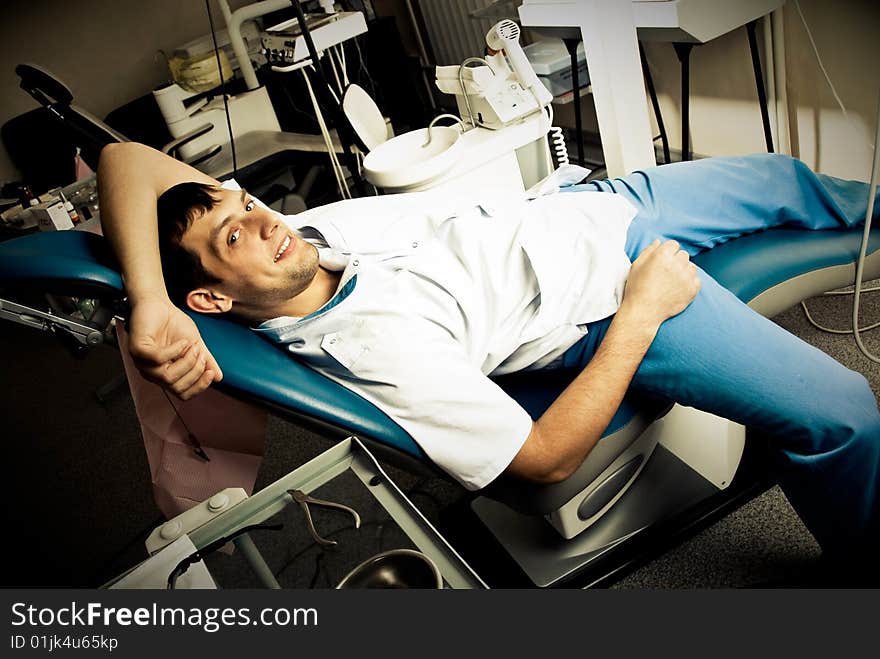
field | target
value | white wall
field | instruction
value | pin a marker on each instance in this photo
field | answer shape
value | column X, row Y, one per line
column 106, row 51
column 725, row 117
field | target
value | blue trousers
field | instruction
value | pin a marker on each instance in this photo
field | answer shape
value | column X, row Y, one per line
column 720, row 356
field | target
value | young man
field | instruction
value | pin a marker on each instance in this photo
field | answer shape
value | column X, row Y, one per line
column 414, row 300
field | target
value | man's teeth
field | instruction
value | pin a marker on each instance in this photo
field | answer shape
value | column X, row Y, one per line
column 283, row 248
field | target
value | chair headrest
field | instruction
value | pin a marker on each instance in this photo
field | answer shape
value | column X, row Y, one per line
column 42, row 85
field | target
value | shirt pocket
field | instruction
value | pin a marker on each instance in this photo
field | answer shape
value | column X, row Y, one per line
column 558, row 262
column 344, row 348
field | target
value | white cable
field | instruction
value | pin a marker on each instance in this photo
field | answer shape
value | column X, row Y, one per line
column 860, row 264
column 557, row 140
column 291, row 67
column 831, row 330
column 864, row 290
column 335, row 72
column 875, row 170
column 340, row 56
column 344, row 63
column 824, row 71
column 333, row 94
column 362, row 66
column 334, row 161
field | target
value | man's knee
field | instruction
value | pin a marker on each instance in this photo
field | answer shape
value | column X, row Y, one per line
column 852, row 417
column 780, row 162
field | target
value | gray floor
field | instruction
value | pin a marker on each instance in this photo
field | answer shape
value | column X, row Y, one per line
column 79, row 501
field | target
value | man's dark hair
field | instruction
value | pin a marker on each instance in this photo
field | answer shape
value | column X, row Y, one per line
column 176, row 209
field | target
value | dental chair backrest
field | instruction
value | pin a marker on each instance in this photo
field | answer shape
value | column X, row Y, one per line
column 88, row 132
column 82, row 264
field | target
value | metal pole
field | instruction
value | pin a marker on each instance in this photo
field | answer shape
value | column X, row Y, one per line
column 683, row 50
column 255, row 559
column 572, row 45
column 759, row 81
column 649, row 80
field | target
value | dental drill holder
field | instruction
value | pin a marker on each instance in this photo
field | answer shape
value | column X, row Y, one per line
column 514, row 90
column 485, row 96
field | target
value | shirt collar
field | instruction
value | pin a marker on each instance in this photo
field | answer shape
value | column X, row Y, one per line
column 277, row 328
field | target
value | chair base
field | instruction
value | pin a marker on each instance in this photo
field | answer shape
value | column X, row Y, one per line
column 710, row 445
column 548, row 559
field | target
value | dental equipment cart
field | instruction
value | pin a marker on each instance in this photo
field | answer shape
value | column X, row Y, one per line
column 230, row 514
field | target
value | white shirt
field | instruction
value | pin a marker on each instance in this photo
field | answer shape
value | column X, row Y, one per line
column 434, row 298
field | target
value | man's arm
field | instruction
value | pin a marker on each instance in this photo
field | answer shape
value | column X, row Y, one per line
column 661, row 284
column 164, row 341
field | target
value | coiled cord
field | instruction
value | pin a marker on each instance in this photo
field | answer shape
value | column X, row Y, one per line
column 557, row 141
column 560, row 152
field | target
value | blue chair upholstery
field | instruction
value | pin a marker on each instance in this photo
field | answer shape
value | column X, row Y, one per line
column 753, row 264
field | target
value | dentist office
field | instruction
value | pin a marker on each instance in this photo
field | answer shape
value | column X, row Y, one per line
column 279, row 278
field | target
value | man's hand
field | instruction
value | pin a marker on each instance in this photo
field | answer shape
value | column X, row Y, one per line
column 661, row 283
column 167, row 348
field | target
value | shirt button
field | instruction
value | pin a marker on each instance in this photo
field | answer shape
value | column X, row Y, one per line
column 355, row 262
column 332, row 341
column 415, row 244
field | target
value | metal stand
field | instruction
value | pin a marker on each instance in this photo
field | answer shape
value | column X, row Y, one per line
column 759, row 82
column 206, row 525
column 649, row 81
column 572, row 46
column 683, row 50
column 548, row 559
column 255, row 559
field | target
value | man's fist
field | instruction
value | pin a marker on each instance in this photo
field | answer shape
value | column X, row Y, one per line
column 662, row 282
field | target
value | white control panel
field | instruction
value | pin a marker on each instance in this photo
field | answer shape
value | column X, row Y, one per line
column 285, row 44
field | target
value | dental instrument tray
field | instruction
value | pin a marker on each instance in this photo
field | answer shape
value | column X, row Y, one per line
column 351, row 467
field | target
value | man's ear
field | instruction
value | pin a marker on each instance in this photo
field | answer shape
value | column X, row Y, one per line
column 204, row 300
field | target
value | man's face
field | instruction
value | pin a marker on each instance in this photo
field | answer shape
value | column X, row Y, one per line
column 259, row 262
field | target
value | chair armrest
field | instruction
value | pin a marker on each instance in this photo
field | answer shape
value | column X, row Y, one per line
column 175, row 144
column 204, row 155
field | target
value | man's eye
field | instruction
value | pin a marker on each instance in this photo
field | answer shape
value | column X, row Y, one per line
column 233, row 237
column 249, row 206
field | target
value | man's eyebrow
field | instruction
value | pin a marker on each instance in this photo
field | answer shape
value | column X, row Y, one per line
column 217, row 230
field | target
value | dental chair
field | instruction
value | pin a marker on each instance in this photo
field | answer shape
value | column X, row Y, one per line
column 633, row 493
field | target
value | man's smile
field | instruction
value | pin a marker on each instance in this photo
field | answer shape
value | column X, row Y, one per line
column 284, row 248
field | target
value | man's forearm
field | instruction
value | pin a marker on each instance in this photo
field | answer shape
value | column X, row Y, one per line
column 571, row 426
column 130, row 179
column 662, row 282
